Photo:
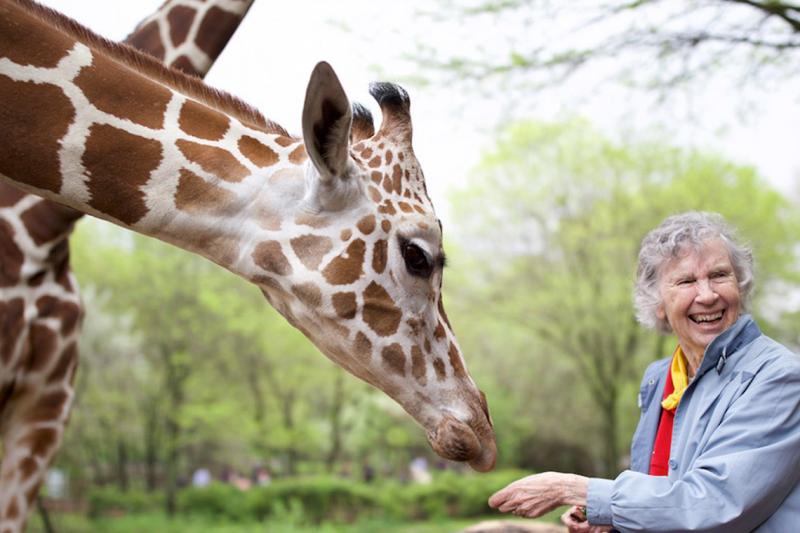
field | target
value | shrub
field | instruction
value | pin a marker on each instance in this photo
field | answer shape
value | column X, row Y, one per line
column 104, row 501
column 217, row 500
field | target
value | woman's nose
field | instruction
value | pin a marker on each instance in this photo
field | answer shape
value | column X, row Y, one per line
column 705, row 291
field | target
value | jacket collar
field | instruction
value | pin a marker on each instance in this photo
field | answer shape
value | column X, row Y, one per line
column 742, row 332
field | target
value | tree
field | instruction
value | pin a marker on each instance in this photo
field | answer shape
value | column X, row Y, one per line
column 649, row 43
column 553, row 219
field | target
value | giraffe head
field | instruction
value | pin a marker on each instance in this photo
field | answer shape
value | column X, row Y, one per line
column 360, row 271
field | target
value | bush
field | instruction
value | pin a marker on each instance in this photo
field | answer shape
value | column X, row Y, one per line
column 105, row 501
column 215, row 500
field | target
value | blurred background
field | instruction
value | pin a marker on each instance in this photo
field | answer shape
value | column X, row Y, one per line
column 553, row 135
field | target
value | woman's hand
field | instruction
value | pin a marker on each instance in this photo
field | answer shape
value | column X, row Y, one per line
column 536, row 495
column 575, row 520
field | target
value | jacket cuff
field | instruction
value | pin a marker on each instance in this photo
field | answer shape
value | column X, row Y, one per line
column 598, row 502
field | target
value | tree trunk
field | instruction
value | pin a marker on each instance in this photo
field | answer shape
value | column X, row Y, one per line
column 122, row 466
column 337, row 404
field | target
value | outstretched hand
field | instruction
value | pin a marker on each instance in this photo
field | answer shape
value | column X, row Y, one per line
column 536, row 495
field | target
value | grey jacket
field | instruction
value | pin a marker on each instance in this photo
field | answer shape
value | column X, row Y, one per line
column 735, row 457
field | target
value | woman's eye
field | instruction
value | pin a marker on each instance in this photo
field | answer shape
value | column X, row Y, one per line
column 418, row 262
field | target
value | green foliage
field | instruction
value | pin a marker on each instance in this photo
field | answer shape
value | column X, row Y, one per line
column 106, row 501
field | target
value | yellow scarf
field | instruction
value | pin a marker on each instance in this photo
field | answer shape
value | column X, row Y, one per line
column 680, row 380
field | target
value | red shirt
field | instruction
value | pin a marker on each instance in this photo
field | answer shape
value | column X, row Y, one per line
column 659, row 461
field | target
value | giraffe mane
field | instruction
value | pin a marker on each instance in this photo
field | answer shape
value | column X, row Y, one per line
column 153, row 68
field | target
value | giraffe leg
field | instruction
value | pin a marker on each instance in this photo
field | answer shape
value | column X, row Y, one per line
column 32, row 427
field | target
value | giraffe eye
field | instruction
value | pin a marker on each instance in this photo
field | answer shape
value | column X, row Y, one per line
column 418, row 262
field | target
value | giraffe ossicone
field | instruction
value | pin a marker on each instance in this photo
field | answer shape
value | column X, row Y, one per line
column 336, row 227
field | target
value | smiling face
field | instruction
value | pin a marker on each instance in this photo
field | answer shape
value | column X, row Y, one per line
column 700, row 297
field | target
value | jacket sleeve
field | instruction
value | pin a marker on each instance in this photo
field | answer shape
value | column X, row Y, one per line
column 746, row 469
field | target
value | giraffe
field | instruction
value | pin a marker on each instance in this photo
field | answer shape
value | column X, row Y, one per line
column 334, row 226
column 40, row 308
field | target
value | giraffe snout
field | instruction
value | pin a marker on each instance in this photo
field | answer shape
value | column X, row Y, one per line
column 457, row 441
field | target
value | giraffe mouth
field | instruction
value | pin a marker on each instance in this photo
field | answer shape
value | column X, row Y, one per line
column 457, row 441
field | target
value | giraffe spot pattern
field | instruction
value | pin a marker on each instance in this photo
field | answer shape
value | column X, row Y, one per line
column 110, row 88
column 380, row 312
column 418, row 369
column 40, row 440
column 48, row 407
column 308, row 293
column 11, row 266
column 366, row 225
column 45, row 221
column 387, row 207
column 439, row 333
column 43, row 347
column 284, row 141
column 180, row 20
column 200, row 121
column 118, row 164
column 68, row 313
column 12, row 510
column 64, row 371
column 441, row 370
column 380, row 255
column 28, row 466
column 313, row 221
column 298, row 155
column 346, row 234
column 35, row 118
column 216, row 22
column 404, row 207
column 310, row 249
column 386, row 226
column 394, row 358
column 362, row 347
column 9, row 195
column 260, row 154
column 347, row 267
column 214, row 160
column 184, row 64
column 195, row 195
column 16, row 29
column 375, row 194
column 344, row 303
column 455, row 361
column 148, row 39
column 269, row 256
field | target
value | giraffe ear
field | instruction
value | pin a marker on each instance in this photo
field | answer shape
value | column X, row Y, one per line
column 327, row 119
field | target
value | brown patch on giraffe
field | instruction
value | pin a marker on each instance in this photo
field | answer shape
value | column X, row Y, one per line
column 339, row 331
column 394, row 358
column 9, row 195
column 16, row 29
column 380, row 312
column 215, row 30
column 284, row 141
column 455, row 361
column 12, row 510
column 298, row 155
column 310, row 249
column 442, row 312
column 387, row 207
column 439, row 333
column 386, row 226
column 46, row 221
column 68, row 313
column 404, row 207
column 148, row 39
column 64, row 371
column 269, row 221
column 314, row 221
column 376, row 176
column 387, row 184
column 43, row 346
column 40, row 441
column 346, row 234
column 11, row 266
column 269, row 256
column 366, row 225
column 362, row 347
column 397, row 179
column 27, row 467
column 35, row 118
column 180, row 20
column 184, row 64
column 441, row 371
column 348, row 266
column 427, row 346
column 389, row 157
column 48, row 407
column 380, row 255
column 419, row 210
column 201, row 121
column 119, row 164
column 366, row 153
column 214, row 160
column 418, row 369
column 108, row 86
column 257, row 152
column 375, row 194
column 375, row 162
column 308, row 293
column 195, row 195
column 344, row 303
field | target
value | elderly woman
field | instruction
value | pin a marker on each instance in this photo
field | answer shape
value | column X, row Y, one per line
column 717, row 447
